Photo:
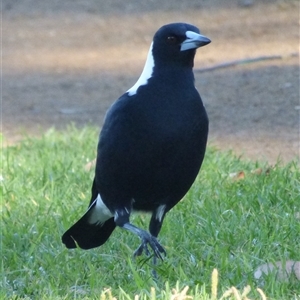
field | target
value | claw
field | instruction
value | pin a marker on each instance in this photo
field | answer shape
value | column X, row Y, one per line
column 139, row 250
column 143, row 247
column 147, row 239
column 155, row 246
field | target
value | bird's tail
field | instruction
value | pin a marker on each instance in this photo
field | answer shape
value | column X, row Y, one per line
column 87, row 234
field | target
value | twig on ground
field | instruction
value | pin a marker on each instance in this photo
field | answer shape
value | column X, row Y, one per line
column 243, row 61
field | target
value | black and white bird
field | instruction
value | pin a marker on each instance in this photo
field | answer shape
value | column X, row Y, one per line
column 151, row 146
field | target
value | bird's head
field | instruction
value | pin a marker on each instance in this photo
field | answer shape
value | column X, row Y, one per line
column 174, row 46
column 176, row 43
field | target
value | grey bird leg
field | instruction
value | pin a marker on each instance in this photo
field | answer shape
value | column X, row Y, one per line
column 154, row 229
column 146, row 239
column 157, row 248
column 122, row 220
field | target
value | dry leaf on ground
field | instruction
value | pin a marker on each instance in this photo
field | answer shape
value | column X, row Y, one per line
column 237, row 175
column 90, row 165
column 283, row 270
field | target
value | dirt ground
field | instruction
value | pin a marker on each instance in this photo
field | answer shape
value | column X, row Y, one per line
column 67, row 61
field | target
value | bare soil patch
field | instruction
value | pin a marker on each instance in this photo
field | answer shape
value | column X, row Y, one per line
column 67, row 61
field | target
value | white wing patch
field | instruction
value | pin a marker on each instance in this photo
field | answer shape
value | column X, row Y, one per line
column 146, row 74
column 99, row 213
column 160, row 212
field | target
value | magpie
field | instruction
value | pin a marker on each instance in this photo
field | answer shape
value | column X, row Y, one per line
column 151, row 145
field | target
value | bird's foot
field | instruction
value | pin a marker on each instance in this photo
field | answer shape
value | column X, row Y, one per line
column 147, row 239
column 155, row 246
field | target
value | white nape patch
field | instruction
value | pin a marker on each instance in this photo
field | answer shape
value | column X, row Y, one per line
column 146, row 74
column 99, row 213
column 160, row 212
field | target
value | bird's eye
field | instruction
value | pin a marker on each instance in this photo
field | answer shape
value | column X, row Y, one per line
column 172, row 40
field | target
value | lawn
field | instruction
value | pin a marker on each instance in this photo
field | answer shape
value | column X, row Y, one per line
column 238, row 215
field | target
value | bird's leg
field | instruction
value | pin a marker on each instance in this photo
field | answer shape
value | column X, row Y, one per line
column 154, row 228
column 121, row 219
column 147, row 239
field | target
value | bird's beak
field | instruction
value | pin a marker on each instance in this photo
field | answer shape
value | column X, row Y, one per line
column 193, row 41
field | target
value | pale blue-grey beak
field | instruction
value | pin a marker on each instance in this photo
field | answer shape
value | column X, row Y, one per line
column 193, row 41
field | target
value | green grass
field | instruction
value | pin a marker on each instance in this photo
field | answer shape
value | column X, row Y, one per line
column 223, row 223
